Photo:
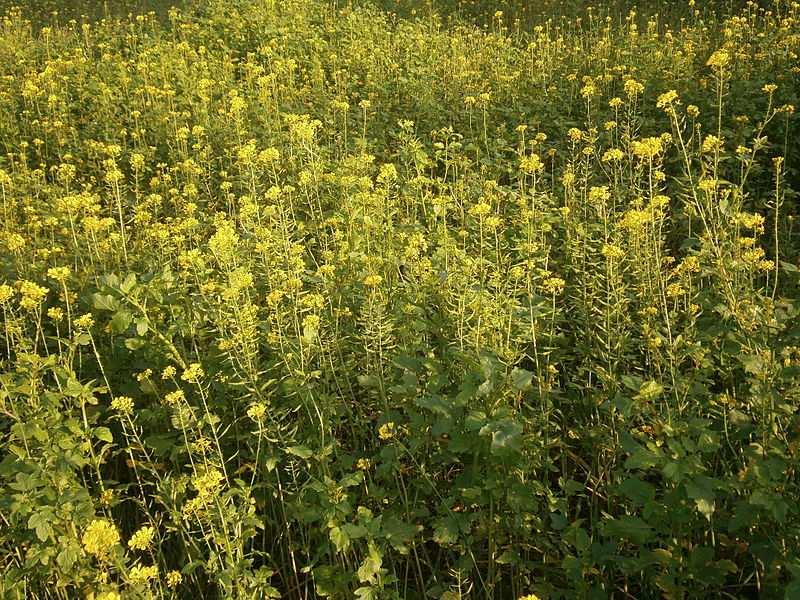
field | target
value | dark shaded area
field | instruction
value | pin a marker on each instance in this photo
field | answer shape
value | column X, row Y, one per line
column 52, row 12
column 523, row 13
column 528, row 13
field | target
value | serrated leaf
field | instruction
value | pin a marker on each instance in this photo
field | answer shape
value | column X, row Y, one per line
column 105, row 302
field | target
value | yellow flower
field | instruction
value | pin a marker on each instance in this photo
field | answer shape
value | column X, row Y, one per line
column 173, row 398
column 363, row 464
column 142, row 539
column 110, row 595
column 373, row 280
column 690, row 264
column 634, row 220
column 633, row 88
column 719, row 59
column 137, row 161
column 751, row 221
column 647, row 147
column 174, row 579
column 481, row 209
column 667, row 99
column 589, row 90
column 493, row 222
column 599, row 194
column 193, row 374
column 84, row 321
column 529, row 597
column 553, row 285
column 140, row 574
column 712, row 144
column 6, row 293
column 674, row 290
column 387, row 431
column 100, row 537
column 32, row 295
column 613, row 155
column 14, row 241
column 257, row 411
column 531, row 164
column 612, row 251
column 209, row 484
column 58, row 273
column 708, row 185
column 123, row 405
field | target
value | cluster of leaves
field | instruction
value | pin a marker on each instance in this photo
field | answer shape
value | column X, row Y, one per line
column 307, row 300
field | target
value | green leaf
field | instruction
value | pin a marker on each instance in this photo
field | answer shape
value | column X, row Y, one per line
column 130, row 282
column 701, row 490
column 104, row 434
column 121, row 321
column 161, row 443
column 134, row 344
column 40, row 522
column 105, row 302
column 339, row 538
column 642, row 458
column 629, row 528
column 366, row 593
column 369, row 382
column 300, row 451
column 371, row 567
column 399, row 533
column 649, row 391
column 506, row 435
column 354, row 531
column 435, row 404
column 638, row 491
column 445, row 531
column 141, row 326
column 68, row 556
column 521, row 379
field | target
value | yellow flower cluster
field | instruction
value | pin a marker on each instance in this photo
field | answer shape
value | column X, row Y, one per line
column 123, row 405
column 387, row 431
column 142, row 538
column 100, row 538
column 647, row 148
column 553, row 285
column 140, row 574
column 257, row 411
column 208, row 486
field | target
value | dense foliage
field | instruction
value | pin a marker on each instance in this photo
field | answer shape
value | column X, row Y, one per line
column 306, row 299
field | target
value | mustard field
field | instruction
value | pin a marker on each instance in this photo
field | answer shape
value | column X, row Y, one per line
column 470, row 300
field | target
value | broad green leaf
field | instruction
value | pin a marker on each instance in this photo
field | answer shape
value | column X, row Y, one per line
column 521, row 379
column 104, row 434
column 300, row 451
column 629, row 528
